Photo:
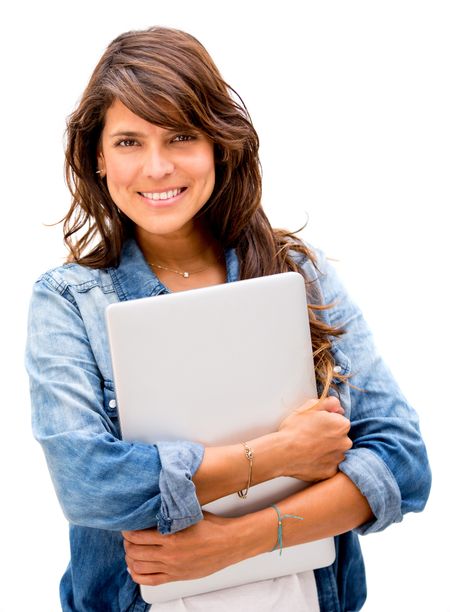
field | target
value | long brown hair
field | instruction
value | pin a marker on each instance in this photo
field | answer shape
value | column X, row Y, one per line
column 167, row 77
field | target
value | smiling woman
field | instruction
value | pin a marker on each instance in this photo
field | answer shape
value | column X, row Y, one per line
column 162, row 163
column 158, row 178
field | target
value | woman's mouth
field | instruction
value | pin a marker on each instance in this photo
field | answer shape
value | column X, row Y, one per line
column 162, row 197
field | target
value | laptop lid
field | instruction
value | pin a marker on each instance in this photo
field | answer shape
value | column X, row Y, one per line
column 218, row 365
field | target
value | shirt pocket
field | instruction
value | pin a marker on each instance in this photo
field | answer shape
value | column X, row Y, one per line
column 110, row 407
column 341, row 388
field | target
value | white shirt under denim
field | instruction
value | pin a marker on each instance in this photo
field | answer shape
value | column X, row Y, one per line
column 286, row 594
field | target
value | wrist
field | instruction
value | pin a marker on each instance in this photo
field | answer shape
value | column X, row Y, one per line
column 225, row 470
column 270, row 456
column 255, row 533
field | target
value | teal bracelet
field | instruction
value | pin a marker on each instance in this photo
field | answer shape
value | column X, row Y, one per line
column 280, row 516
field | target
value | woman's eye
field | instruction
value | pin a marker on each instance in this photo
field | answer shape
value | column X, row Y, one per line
column 183, row 138
column 126, row 142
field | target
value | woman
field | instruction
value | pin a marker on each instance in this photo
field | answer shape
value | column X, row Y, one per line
column 162, row 163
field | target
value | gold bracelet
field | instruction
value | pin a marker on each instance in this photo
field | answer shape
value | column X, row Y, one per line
column 249, row 454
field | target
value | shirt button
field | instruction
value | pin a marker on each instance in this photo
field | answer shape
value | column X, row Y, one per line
column 112, row 403
column 337, row 369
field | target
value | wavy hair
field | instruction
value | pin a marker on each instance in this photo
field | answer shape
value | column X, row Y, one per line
column 167, row 77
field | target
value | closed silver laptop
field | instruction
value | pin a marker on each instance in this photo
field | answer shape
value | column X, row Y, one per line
column 218, row 365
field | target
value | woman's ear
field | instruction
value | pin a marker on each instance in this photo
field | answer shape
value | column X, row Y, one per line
column 101, row 165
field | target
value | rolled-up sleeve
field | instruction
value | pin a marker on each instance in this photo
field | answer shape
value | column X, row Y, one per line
column 100, row 480
column 388, row 461
column 179, row 505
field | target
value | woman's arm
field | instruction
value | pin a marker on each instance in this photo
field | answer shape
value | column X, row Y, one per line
column 104, row 482
column 388, row 461
column 100, row 481
column 328, row 508
column 309, row 445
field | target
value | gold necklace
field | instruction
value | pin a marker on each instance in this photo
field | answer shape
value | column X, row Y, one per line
column 180, row 272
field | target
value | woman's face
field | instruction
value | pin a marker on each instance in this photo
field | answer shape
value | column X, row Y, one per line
column 158, row 178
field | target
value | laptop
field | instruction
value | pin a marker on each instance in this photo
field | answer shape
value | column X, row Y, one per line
column 218, row 365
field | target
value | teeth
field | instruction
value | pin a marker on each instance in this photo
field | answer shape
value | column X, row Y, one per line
column 162, row 195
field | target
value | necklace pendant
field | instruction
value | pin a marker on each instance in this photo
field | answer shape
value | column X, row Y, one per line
column 186, row 274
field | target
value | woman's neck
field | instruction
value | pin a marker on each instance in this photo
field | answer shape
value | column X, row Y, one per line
column 189, row 249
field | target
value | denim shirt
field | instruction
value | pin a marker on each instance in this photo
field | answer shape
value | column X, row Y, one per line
column 106, row 485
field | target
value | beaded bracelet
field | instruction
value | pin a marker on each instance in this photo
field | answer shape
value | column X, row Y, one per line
column 279, row 543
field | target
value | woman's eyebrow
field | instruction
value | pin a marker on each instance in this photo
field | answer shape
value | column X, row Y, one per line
column 128, row 134
column 133, row 134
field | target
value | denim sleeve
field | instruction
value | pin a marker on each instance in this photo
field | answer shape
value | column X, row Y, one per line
column 388, row 461
column 100, row 481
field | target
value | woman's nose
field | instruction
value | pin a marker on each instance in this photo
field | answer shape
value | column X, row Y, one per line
column 157, row 164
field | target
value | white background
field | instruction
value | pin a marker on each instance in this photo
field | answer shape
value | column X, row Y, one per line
column 352, row 103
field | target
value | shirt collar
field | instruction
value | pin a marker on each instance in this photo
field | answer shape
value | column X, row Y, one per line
column 133, row 278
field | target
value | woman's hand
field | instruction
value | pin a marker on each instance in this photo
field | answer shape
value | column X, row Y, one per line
column 204, row 548
column 315, row 439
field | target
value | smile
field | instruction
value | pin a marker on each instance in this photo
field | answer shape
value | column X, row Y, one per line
column 162, row 195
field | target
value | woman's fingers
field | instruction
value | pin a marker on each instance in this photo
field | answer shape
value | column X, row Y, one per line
column 145, row 560
column 145, row 567
column 330, row 404
column 150, row 579
column 144, row 557
column 145, row 537
column 142, row 552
